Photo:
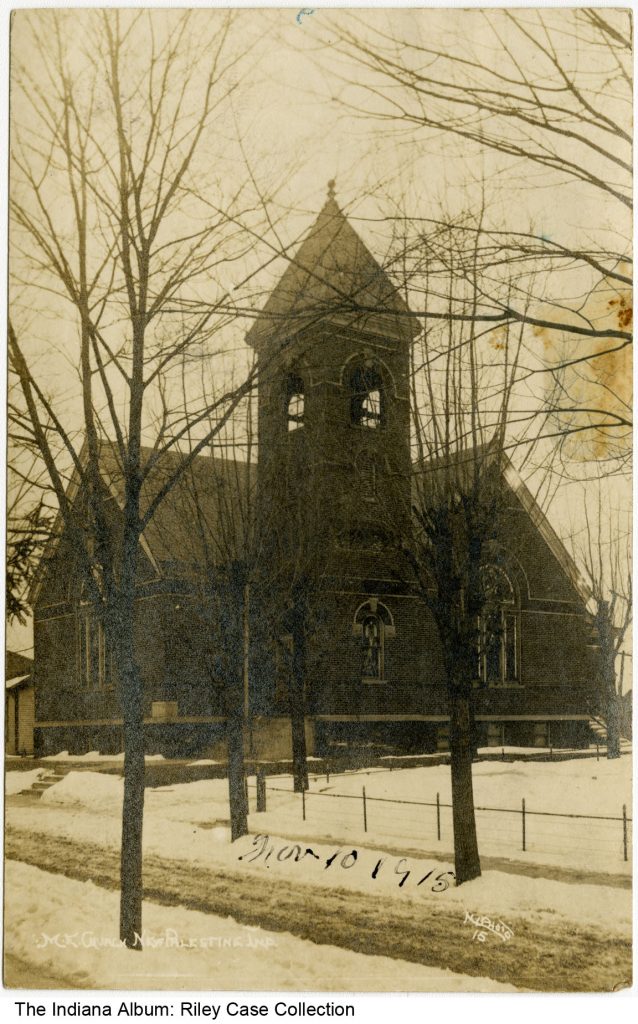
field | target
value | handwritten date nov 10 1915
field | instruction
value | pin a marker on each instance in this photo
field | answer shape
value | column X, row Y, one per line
column 264, row 850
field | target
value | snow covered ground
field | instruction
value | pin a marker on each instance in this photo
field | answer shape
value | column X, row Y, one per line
column 52, row 929
column 94, row 757
column 64, row 930
column 573, row 809
column 188, row 823
column 580, row 787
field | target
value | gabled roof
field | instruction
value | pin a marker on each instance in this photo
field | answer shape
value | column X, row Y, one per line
column 462, row 463
column 546, row 530
column 204, row 518
column 203, row 521
column 333, row 277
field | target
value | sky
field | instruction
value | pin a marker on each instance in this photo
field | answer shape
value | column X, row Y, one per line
column 292, row 111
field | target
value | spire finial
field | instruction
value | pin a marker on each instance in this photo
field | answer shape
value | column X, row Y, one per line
column 331, row 188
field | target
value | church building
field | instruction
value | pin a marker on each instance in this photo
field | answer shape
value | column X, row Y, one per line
column 333, row 479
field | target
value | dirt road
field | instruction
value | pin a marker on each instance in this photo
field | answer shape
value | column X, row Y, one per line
column 563, row 959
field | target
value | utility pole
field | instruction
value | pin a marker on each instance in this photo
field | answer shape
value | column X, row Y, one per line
column 232, row 621
column 298, row 622
column 248, row 725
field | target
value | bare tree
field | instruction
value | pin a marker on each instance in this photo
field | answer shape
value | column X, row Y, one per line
column 262, row 592
column 531, row 102
column 603, row 547
column 30, row 519
column 467, row 411
column 543, row 98
column 217, row 501
column 109, row 243
column 288, row 568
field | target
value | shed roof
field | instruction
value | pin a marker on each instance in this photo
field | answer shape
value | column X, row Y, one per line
column 17, row 666
column 14, row 684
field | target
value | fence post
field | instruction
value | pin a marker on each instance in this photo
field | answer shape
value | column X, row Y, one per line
column 261, row 790
column 523, row 817
column 365, row 812
column 438, row 817
column 624, row 831
column 303, row 803
column 502, row 753
column 597, row 752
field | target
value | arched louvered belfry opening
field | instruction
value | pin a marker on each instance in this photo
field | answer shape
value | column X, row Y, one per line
column 368, row 397
column 295, row 401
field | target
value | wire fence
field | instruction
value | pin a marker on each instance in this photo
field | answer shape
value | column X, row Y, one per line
column 606, row 837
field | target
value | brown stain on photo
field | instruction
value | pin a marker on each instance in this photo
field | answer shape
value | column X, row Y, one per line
column 602, row 386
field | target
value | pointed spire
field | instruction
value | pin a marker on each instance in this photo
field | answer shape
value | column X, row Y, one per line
column 331, row 263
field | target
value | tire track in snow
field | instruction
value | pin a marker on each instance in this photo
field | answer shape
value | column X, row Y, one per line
column 568, row 958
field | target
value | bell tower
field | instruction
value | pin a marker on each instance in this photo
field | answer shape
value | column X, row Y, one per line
column 334, row 483
column 333, row 343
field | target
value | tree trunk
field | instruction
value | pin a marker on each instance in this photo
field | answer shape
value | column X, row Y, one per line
column 249, row 746
column 474, row 733
column 608, row 669
column 131, row 885
column 236, row 777
column 299, row 753
column 467, row 864
column 613, row 722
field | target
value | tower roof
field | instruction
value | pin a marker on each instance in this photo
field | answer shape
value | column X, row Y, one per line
column 334, row 278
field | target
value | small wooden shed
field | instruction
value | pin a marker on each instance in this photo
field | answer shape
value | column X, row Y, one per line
column 19, row 704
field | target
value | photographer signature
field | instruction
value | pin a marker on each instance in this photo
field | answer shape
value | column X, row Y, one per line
column 484, row 926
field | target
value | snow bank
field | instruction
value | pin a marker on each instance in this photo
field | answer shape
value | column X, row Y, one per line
column 188, row 823
column 186, row 949
column 86, row 789
column 579, row 788
column 497, row 893
column 20, row 782
column 576, row 789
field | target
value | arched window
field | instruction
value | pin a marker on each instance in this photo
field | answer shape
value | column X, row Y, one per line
column 372, row 631
column 498, row 627
column 294, row 401
column 367, row 399
column 94, row 649
column 373, row 625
